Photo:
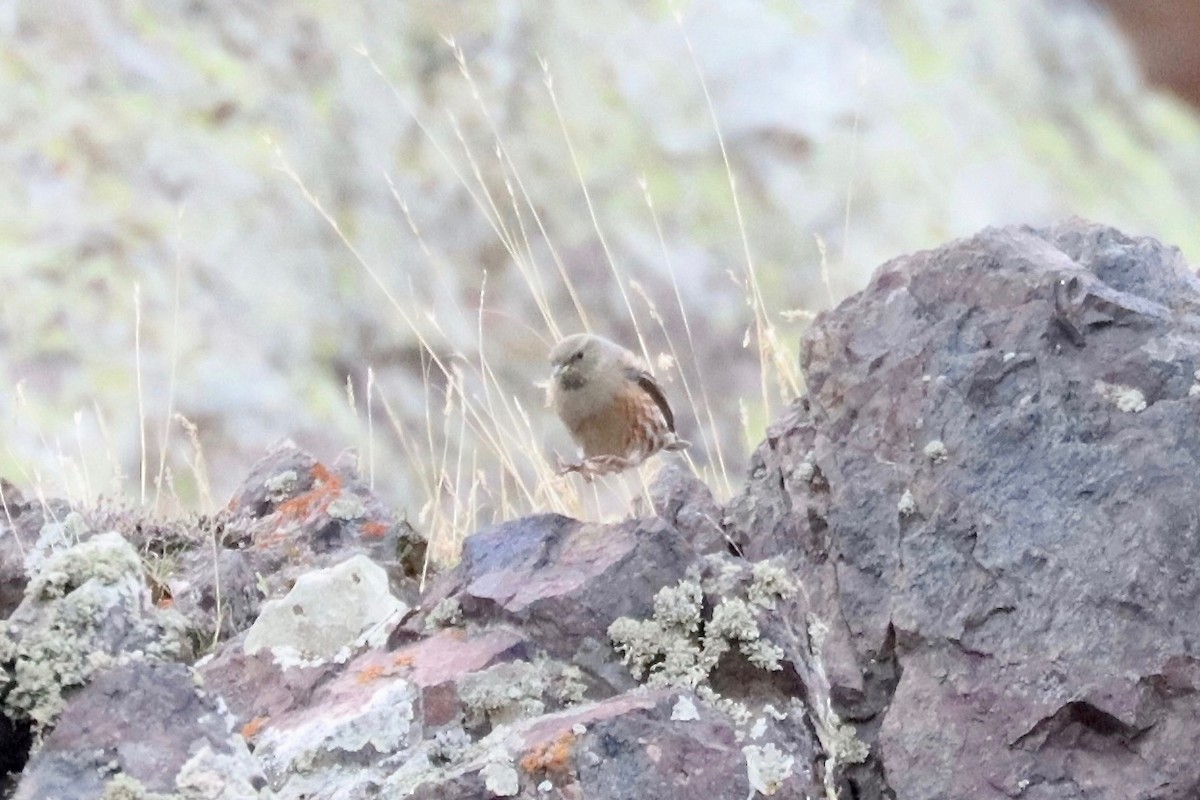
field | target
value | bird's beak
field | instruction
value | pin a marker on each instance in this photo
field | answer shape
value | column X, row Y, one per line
column 557, row 371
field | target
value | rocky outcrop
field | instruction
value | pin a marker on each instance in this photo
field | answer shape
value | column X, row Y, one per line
column 988, row 494
column 960, row 567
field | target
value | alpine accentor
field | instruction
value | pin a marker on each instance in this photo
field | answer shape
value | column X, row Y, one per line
column 614, row 409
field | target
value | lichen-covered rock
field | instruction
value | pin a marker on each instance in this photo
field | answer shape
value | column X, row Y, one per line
column 145, row 726
column 295, row 513
column 86, row 607
column 326, row 612
column 987, row 496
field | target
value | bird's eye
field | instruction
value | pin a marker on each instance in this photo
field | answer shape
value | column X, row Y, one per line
column 578, row 355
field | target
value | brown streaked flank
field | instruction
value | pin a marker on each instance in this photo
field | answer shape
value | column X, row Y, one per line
column 612, row 406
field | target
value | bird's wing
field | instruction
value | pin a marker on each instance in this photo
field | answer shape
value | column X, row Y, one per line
column 650, row 386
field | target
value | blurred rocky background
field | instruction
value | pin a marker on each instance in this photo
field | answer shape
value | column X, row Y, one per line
column 273, row 218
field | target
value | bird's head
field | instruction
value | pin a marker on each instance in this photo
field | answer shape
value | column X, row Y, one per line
column 577, row 358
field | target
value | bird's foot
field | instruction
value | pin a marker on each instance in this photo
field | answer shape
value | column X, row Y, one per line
column 592, row 467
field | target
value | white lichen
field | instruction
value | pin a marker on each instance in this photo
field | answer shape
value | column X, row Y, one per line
column 936, row 451
column 684, row 710
column 280, row 487
column 767, row 768
column 346, row 507
column 501, row 779
column 907, row 506
column 1128, row 399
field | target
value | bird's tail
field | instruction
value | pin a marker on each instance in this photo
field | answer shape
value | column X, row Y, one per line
column 677, row 444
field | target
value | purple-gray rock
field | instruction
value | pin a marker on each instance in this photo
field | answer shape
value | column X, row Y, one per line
column 989, row 494
column 146, row 721
column 563, row 581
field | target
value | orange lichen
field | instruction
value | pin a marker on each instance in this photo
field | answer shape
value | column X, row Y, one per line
column 370, row 673
column 252, row 728
column 374, row 530
column 403, row 660
column 326, row 486
column 553, row 757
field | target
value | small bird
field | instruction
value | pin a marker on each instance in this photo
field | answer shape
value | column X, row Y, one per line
column 612, row 406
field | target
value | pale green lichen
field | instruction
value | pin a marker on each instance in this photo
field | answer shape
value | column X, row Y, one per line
column 738, row 713
column 767, row 768
column 678, row 607
column 346, row 507
column 936, row 451
column 126, row 787
column 845, row 743
column 64, row 630
column 518, row 689
column 280, row 487
column 1127, row 399
column 106, row 558
column 907, row 505
column 503, row 693
column 770, row 582
column 449, row 745
column 446, row 614
column 568, row 686
column 677, row 647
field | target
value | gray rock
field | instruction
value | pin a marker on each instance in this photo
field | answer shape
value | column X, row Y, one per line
column 1025, row 625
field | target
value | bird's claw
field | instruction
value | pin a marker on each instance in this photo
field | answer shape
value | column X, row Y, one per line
column 590, row 468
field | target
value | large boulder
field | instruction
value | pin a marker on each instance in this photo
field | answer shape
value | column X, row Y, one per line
column 989, row 495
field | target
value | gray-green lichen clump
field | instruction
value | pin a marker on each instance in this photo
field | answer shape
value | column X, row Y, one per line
column 87, row 607
column 519, row 689
column 678, row 647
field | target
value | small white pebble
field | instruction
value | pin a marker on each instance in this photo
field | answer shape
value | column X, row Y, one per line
column 1009, row 357
column 1195, row 390
column 545, row 787
column 579, row 729
column 926, row 378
